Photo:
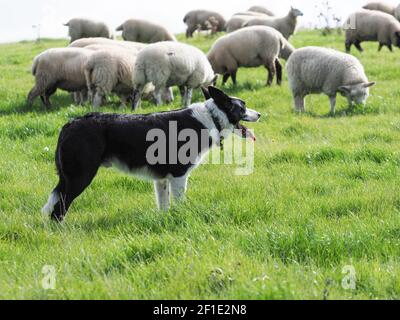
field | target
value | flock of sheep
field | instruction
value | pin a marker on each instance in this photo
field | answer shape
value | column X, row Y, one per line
column 150, row 61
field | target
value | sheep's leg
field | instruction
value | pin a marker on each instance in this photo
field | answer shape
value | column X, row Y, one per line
column 358, row 46
column 46, row 101
column 278, row 67
column 136, row 98
column 300, row 103
column 182, row 91
column 98, row 99
column 233, row 76
column 271, row 73
column 333, row 104
column 390, row 47
column 33, row 94
column 190, row 31
column 168, row 95
column 225, row 78
column 380, row 47
column 158, row 96
column 188, row 99
column 77, row 98
column 348, row 46
column 124, row 101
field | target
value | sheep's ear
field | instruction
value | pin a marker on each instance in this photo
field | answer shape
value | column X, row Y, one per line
column 370, row 84
column 206, row 94
column 219, row 97
column 344, row 89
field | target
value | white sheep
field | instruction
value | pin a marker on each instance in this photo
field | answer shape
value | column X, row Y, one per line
column 86, row 28
column 368, row 25
column 110, row 70
column 261, row 9
column 144, row 31
column 381, row 6
column 167, row 64
column 320, row 70
column 249, row 47
column 202, row 19
column 59, row 68
column 286, row 25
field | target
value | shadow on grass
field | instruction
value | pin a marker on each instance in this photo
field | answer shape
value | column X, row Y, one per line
column 348, row 112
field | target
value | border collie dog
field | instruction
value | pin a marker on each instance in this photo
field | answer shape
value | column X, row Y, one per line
column 87, row 143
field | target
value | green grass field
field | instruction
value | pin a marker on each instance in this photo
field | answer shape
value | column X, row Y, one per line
column 324, row 195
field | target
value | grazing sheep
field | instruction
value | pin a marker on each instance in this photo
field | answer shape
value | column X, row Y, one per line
column 320, row 70
column 287, row 50
column 261, row 9
column 84, row 28
column 60, row 68
column 286, row 25
column 249, row 47
column 144, row 31
column 381, row 6
column 203, row 20
column 82, row 43
column 368, row 25
column 110, row 70
column 168, row 64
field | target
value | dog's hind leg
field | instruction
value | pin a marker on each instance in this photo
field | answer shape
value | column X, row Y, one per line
column 179, row 188
column 162, row 188
column 74, row 187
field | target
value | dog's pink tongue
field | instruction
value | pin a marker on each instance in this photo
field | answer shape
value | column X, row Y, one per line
column 246, row 133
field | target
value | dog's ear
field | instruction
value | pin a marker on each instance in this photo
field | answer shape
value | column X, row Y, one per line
column 219, row 97
column 206, row 94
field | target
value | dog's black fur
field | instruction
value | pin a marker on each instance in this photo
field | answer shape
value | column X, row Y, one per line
column 87, row 143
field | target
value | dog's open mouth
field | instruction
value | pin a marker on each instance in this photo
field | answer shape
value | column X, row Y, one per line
column 245, row 132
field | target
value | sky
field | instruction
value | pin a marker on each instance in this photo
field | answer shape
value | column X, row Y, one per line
column 17, row 17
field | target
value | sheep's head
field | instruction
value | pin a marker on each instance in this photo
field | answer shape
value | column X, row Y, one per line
column 356, row 94
column 296, row 12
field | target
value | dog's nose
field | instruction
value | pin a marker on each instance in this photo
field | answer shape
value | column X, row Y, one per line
column 259, row 115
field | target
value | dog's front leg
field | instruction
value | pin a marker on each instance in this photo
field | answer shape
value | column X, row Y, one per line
column 179, row 188
column 162, row 189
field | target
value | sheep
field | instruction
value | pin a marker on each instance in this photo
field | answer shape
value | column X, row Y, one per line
column 59, row 68
column 320, row 70
column 110, row 70
column 84, row 28
column 285, row 25
column 202, row 19
column 381, row 6
column 144, row 31
column 85, row 42
column 261, row 9
column 238, row 20
column 367, row 25
column 287, row 50
column 168, row 64
column 249, row 47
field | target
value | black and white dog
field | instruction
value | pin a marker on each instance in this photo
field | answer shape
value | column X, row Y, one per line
column 85, row 144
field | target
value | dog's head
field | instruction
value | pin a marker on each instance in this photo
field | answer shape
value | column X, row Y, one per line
column 235, row 110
